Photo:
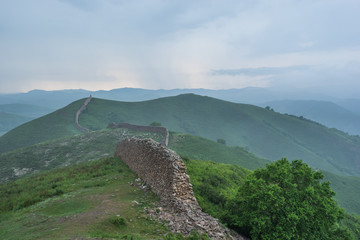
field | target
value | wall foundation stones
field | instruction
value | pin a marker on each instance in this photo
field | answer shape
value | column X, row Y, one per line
column 165, row 172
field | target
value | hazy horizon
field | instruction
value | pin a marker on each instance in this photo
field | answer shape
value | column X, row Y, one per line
column 282, row 45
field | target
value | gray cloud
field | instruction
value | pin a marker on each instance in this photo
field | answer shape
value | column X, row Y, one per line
column 176, row 44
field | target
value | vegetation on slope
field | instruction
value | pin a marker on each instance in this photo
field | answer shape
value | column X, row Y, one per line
column 9, row 121
column 90, row 146
column 216, row 186
column 266, row 133
column 327, row 113
column 203, row 149
column 52, row 126
column 63, row 152
column 89, row 200
column 286, row 201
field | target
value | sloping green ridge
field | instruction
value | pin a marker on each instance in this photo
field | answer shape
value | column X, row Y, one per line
column 266, row 133
column 90, row 146
column 10, row 120
column 63, row 152
column 92, row 200
column 51, row 126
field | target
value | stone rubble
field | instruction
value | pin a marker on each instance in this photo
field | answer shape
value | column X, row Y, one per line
column 165, row 173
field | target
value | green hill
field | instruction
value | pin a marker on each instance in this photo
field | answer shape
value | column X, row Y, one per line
column 51, row 126
column 91, row 200
column 203, row 149
column 96, row 200
column 9, row 121
column 63, row 152
column 327, row 113
column 268, row 134
column 102, row 143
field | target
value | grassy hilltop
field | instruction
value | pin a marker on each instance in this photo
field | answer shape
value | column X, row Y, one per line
column 266, row 133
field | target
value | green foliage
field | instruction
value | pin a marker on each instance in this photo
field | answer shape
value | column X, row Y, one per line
column 65, row 151
column 286, row 201
column 96, row 203
column 200, row 148
column 118, row 221
column 352, row 224
column 243, row 125
column 214, row 184
column 52, row 126
column 193, row 236
column 33, row 189
column 155, row 124
column 221, row 141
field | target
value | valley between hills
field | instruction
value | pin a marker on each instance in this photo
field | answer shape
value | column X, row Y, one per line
column 251, row 137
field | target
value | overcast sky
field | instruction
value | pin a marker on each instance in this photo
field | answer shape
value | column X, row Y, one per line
column 310, row 45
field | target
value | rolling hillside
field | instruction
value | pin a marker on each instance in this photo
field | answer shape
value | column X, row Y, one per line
column 9, row 121
column 268, row 134
column 327, row 113
column 51, row 126
column 102, row 143
column 92, row 200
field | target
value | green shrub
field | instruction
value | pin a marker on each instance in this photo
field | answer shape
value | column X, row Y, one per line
column 118, row 221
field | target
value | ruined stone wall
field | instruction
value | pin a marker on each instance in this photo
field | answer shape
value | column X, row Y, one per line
column 165, row 172
column 160, row 167
column 82, row 108
column 161, row 130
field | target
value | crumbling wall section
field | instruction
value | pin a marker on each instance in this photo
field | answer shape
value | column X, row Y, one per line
column 165, row 172
column 160, row 167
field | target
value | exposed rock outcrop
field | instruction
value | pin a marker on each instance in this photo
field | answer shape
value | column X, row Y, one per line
column 165, row 172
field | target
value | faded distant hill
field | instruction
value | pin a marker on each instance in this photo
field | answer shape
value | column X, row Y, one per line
column 13, row 115
column 268, row 134
column 9, row 121
column 25, row 110
column 252, row 95
column 327, row 113
column 49, row 99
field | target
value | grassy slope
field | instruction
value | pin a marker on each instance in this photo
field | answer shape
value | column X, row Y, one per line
column 85, row 200
column 63, row 152
column 268, row 134
column 54, row 125
column 102, row 143
column 327, row 113
column 204, row 149
column 347, row 191
column 9, row 121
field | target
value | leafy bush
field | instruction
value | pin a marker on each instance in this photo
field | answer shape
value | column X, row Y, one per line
column 118, row 221
column 286, row 201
